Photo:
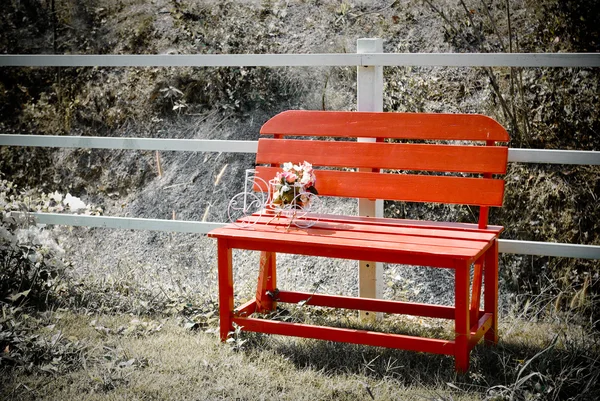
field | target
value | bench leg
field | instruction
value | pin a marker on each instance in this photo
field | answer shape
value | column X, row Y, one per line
column 461, row 318
column 490, row 297
column 267, row 282
column 225, row 288
column 476, row 289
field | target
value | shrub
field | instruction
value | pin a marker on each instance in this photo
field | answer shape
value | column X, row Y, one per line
column 32, row 277
column 31, row 262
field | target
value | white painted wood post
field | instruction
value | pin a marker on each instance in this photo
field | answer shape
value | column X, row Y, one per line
column 370, row 98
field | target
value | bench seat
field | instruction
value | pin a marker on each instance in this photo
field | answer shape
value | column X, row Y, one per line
column 435, row 244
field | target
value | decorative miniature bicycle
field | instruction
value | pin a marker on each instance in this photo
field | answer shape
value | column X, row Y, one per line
column 290, row 194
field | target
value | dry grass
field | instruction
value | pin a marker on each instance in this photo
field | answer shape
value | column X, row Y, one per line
column 141, row 358
column 178, row 364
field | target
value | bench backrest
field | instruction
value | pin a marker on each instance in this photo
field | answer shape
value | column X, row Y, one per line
column 448, row 173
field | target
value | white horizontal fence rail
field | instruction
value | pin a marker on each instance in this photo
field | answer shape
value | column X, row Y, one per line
column 96, row 142
column 127, row 223
column 307, row 60
column 549, row 249
column 546, row 156
column 196, row 227
column 552, row 156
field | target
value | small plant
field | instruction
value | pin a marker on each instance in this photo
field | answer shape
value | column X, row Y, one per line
column 344, row 8
column 527, row 385
column 139, row 40
column 116, row 369
column 235, row 339
column 32, row 343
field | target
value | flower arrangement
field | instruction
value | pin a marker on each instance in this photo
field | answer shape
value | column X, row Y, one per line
column 293, row 185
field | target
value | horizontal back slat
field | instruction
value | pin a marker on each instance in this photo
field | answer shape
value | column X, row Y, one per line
column 425, row 126
column 425, row 157
column 410, row 188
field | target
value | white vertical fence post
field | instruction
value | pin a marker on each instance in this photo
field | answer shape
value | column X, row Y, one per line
column 370, row 98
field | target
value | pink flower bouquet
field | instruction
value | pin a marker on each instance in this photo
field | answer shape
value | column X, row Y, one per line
column 294, row 185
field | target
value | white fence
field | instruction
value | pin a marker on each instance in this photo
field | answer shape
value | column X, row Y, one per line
column 369, row 63
column 308, row 60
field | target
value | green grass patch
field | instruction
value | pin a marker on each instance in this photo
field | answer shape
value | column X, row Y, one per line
column 129, row 357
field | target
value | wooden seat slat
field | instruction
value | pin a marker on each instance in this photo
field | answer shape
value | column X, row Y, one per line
column 426, row 126
column 280, row 226
column 421, row 157
column 341, row 251
column 405, row 187
column 382, row 221
column 365, row 229
column 301, row 237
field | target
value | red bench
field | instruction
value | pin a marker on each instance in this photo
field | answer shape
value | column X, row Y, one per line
column 454, row 173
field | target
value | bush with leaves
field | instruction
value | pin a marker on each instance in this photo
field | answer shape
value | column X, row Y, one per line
column 32, row 277
column 32, row 342
column 31, row 262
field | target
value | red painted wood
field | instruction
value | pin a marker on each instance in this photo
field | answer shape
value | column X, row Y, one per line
column 281, row 225
column 461, row 319
column 246, row 309
column 445, row 347
column 373, row 223
column 371, row 155
column 480, row 328
column 266, row 282
column 367, row 229
column 387, row 222
column 490, row 292
column 476, row 289
column 272, row 276
column 427, row 126
column 225, row 288
column 336, row 239
column 404, row 187
column 484, row 213
column 368, row 304
column 254, row 242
